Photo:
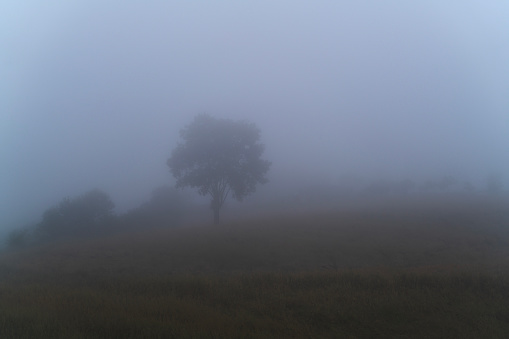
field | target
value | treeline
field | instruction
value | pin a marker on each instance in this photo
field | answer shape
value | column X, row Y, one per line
column 355, row 188
column 92, row 214
column 493, row 184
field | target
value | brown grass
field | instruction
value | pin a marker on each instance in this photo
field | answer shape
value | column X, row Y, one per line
column 423, row 269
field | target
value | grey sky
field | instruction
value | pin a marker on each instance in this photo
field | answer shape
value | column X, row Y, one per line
column 94, row 92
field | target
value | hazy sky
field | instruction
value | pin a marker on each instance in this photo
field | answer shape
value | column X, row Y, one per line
column 95, row 92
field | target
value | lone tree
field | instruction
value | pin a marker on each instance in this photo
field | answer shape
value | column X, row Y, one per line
column 219, row 156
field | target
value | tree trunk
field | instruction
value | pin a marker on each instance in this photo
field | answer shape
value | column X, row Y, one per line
column 216, row 216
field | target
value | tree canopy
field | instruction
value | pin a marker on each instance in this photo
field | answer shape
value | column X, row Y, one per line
column 219, row 157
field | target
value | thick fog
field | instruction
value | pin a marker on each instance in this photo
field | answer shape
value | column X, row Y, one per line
column 94, row 93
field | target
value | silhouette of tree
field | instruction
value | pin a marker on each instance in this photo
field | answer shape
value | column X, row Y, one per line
column 219, row 157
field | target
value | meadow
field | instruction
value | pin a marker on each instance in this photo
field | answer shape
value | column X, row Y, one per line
column 434, row 267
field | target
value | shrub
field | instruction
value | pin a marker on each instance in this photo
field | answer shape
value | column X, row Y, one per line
column 18, row 238
column 87, row 214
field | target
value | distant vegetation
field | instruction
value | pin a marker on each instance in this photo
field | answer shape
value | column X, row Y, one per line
column 494, row 183
column 165, row 208
column 91, row 215
column 87, row 214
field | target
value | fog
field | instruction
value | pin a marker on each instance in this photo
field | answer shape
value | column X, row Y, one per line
column 94, row 93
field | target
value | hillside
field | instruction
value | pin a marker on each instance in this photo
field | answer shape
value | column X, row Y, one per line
column 424, row 268
column 434, row 234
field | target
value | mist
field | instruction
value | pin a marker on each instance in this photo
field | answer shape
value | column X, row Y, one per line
column 95, row 93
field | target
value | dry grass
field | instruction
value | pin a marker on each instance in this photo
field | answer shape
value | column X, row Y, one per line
column 262, row 305
column 425, row 269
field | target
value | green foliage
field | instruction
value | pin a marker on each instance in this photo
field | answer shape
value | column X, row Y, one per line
column 219, row 156
column 84, row 215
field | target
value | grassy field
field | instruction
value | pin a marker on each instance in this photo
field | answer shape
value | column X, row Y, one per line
column 419, row 268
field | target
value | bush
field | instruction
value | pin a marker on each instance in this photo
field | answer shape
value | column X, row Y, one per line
column 494, row 183
column 163, row 210
column 18, row 238
column 88, row 214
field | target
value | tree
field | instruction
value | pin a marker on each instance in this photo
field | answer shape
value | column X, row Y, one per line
column 219, row 156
